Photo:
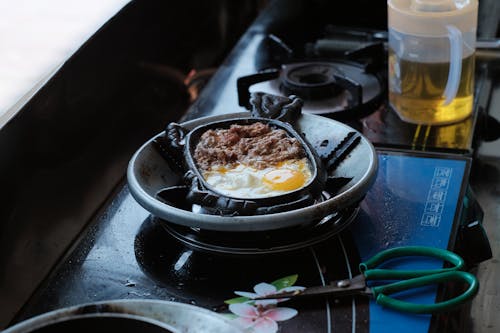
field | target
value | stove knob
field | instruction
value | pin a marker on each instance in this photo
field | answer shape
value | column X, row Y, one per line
column 474, row 245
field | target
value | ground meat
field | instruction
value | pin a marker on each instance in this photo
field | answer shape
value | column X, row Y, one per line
column 257, row 145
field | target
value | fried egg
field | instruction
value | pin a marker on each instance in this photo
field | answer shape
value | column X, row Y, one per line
column 244, row 181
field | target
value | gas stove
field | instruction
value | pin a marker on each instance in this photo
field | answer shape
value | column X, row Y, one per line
column 421, row 195
column 132, row 254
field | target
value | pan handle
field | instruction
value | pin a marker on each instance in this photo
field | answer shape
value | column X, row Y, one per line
column 244, row 83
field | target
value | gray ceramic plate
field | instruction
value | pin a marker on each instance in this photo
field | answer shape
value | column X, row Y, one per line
column 178, row 317
column 148, row 173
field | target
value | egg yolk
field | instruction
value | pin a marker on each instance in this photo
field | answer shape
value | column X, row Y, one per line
column 284, row 179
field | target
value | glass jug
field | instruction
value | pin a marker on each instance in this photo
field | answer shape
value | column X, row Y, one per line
column 431, row 59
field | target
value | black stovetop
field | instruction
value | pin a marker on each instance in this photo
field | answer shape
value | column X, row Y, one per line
column 129, row 254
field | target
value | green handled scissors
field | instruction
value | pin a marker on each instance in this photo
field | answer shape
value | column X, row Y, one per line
column 409, row 279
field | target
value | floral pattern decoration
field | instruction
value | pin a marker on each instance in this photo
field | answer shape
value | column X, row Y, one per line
column 261, row 316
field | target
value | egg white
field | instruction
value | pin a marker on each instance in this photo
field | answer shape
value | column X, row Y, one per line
column 244, row 181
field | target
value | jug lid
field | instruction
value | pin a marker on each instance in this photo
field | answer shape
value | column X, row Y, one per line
column 430, row 17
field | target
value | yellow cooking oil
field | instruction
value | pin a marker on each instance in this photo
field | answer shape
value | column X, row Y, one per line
column 416, row 91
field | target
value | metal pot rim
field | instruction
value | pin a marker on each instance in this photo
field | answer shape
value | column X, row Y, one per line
column 178, row 317
column 147, row 173
column 53, row 320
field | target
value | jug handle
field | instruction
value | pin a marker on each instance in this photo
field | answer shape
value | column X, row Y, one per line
column 455, row 71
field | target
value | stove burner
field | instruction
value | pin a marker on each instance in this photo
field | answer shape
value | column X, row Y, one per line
column 311, row 80
column 338, row 89
column 257, row 243
column 319, row 80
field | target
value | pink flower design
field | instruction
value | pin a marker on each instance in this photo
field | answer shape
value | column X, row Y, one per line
column 259, row 319
column 266, row 289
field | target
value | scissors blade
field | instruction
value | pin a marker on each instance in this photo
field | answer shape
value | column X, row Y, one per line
column 346, row 287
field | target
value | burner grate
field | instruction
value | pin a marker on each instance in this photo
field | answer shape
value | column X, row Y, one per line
column 259, row 243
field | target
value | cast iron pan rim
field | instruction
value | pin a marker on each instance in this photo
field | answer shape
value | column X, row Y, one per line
column 250, row 223
column 311, row 156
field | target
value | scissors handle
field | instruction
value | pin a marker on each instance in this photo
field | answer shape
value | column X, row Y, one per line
column 371, row 273
column 380, row 292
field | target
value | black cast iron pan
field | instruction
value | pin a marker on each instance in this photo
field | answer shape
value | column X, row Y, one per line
column 199, row 192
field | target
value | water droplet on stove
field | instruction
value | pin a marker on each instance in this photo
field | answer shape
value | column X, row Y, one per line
column 129, row 283
column 220, row 308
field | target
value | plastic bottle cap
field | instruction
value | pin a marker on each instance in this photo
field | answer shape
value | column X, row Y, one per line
column 430, row 17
